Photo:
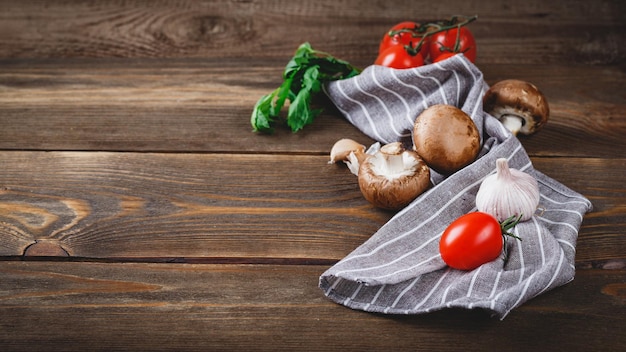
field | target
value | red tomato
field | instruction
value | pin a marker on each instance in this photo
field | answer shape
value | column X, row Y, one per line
column 471, row 241
column 405, row 38
column 447, row 42
column 444, row 56
column 398, row 57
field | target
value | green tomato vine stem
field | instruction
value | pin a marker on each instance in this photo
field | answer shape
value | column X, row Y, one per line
column 505, row 226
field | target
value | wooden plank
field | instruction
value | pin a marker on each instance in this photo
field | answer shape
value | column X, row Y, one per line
column 138, row 211
column 182, row 205
column 205, row 106
column 533, row 32
column 250, row 206
column 131, row 105
column 93, row 306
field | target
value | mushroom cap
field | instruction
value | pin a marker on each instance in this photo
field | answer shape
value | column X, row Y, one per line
column 393, row 177
column 518, row 98
column 446, row 138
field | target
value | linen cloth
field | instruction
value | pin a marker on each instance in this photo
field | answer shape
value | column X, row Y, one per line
column 399, row 270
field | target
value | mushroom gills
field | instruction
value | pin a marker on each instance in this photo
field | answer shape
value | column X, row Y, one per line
column 393, row 176
column 394, row 166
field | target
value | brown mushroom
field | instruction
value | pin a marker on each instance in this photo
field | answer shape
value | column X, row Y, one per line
column 446, row 138
column 519, row 105
column 393, row 176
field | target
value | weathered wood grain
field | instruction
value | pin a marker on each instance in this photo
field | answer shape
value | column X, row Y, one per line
column 532, row 32
column 275, row 308
column 205, row 106
column 194, row 206
column 139, row 212
column 182, row 205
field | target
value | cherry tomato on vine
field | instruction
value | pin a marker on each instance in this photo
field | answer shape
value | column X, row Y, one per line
column 471, row 240
column 404, row 38
column 453, row 41
column 398, row 57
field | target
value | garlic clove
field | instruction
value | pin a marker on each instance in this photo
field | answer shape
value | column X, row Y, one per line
column 342, row 148
column 508, row 192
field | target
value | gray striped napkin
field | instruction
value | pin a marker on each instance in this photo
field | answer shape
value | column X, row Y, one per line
column 399, row 269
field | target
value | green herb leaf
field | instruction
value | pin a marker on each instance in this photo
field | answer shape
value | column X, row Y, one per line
column 303, row 78
column 282, row 94
column 262, row 115
column 300, row 112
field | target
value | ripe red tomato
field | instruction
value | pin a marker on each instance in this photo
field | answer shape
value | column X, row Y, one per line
column 446, row 41
column 405, row 38
column 444, row 56
column 398, row 57
column 471, row 241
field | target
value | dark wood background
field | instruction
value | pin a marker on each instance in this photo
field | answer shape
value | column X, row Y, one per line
column 139, row 212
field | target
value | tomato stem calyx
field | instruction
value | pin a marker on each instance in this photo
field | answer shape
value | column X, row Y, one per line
column 506, row 225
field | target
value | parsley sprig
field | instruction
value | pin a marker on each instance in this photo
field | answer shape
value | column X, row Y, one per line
column 303, row 78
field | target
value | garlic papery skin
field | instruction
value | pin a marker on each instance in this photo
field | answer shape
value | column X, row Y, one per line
column 508, row 192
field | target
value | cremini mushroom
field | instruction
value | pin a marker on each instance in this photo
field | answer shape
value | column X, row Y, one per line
column 393, row 176
column 519, row 105
column 446, row 138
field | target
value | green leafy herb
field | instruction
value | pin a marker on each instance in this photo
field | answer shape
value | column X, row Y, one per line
column 303, row 78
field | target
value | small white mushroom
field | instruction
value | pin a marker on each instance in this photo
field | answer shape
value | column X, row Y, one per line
column 519, row 105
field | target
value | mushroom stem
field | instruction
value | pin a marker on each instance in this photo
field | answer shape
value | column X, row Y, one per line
column 512, row 122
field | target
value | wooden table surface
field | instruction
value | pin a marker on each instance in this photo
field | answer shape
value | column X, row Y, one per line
column 138, row 211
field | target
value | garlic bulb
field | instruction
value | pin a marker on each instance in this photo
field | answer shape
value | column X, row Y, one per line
column 509, row 192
